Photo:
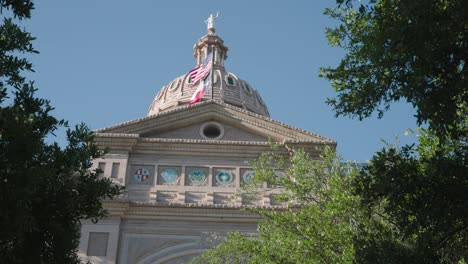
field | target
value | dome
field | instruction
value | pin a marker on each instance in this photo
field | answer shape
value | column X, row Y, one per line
column 227, row 87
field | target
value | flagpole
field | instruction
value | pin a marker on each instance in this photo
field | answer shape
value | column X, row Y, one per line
column 212, row 70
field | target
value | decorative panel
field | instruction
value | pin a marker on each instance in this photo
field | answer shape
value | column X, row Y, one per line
column 196, row 176
column 246, row 175
column 141, row 174
column 274, row 201
column 195, row 197
column 251, row 200
column 278, row 174
column 166, row 197
column 223, row 198
column 169, row 175
column 224, row 177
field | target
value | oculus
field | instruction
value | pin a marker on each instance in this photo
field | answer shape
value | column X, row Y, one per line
column 212, row 130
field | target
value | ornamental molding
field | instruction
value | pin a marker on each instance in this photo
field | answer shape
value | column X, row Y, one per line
column 205, row 147
column 124, row 209
column 213, row 109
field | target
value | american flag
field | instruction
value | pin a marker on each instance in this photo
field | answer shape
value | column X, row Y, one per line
column 201, row 70
column 200, row 91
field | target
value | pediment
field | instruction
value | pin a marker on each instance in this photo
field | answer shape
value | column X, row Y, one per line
column 208, row 129
column 236, row 124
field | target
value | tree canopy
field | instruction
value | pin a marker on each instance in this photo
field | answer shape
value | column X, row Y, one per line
column 45, row 190
column 414, row 51
column 410, row 204
column 319, row 224
column 402, row 50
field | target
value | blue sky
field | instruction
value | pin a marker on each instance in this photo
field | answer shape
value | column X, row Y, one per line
column 102, row 62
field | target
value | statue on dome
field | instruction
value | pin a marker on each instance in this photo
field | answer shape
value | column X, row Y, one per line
column 210, row 21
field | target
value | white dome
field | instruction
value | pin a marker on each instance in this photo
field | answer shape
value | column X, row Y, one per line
column 227, row 87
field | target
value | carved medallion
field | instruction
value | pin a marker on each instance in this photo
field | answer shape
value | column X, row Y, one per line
column 169, row 175
column 224, row 178
column 197, row 177
column 141, row 175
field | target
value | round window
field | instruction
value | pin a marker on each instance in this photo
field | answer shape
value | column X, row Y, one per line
column 211, row 130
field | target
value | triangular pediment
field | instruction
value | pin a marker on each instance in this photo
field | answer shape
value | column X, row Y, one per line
column 201, row 121
column 208, row 129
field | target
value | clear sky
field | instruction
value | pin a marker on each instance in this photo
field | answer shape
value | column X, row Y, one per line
column 102, row 62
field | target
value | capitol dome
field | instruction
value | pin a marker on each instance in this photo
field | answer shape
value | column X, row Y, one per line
column 227, row 87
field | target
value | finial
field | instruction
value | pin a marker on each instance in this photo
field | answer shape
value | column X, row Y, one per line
column 210, row 22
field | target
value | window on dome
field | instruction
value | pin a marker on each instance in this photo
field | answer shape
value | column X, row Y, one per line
column 174, row 85
column 230, row 80
column 246, row 87
column 260, row 100
column 160, row 93
column 189, row 80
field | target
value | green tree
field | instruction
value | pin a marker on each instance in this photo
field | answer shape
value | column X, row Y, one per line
column 44, row 190
column 410, row 205
column 422, row 193
column 402, row 49
column 414, row 51
column 319, row 224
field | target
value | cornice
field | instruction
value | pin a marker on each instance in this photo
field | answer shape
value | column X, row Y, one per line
column 199, row 146
column 149, row 210
column 200, row 109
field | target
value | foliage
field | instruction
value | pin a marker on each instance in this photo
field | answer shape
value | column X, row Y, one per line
column 319, row 224
column 423, row 193
column 44, row 190
column 402, row 49
column 415, row 51
column 411, row 203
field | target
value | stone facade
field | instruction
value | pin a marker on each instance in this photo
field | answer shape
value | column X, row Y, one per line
column 182, row 167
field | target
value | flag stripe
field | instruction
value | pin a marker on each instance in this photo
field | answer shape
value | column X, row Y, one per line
column 199, row 92
column 201, row 70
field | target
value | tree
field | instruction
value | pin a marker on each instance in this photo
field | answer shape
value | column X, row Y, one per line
column 422, row 193
column 45, row 190
column 402, row 50
column 410, row 204
column 414, row 51
column 319, row 224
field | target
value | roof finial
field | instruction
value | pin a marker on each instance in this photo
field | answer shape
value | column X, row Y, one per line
column 210, row 22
